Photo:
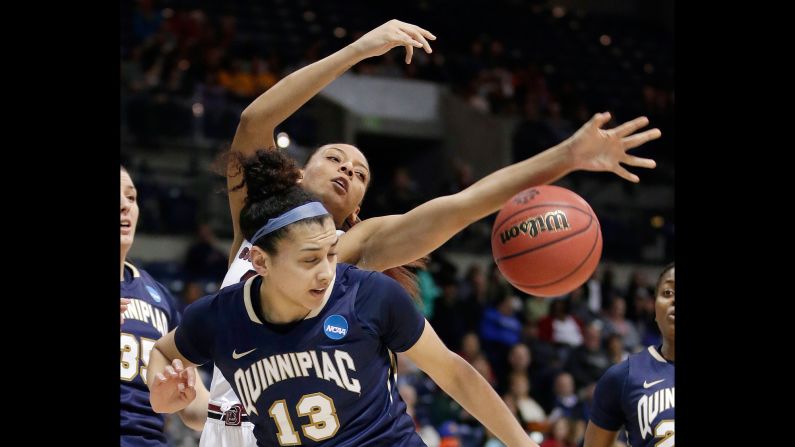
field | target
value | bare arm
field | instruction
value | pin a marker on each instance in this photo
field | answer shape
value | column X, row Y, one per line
column 464, row 384
column 596, row 436
column 389, row 241
column 195, row 414
column 261, row 117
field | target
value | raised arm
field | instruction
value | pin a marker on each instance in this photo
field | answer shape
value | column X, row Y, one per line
column 385, row 242
column 260, row 118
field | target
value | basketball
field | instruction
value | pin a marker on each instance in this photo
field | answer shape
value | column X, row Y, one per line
column 546, row 241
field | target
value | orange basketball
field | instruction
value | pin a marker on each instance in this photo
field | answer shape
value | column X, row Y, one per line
column 546, row 241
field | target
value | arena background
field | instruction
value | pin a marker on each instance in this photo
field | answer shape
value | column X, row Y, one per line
column 506, row 80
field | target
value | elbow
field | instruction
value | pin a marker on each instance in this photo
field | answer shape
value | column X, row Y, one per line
column 246, row 118
column 254, row 118
column 458, row 373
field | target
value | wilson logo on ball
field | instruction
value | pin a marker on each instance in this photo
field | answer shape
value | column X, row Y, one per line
column 552, row 221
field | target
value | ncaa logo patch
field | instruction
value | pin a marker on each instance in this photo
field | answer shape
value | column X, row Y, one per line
column 153, row 293
column 335, row 327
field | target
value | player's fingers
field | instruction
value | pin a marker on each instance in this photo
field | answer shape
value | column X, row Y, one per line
column 416, row 35
column 409, row 53
column 190, row 374
column 643, row 137
column 626, row 174
column 425, row 32
column 631, row 126
column 600, row 119
column 647, row 163
column 188, row 394
column 406, row 39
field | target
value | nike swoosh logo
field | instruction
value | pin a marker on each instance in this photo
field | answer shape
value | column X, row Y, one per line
column 236, row 356
column 645, row 385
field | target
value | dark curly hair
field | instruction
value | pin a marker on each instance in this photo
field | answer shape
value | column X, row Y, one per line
column 270, row 178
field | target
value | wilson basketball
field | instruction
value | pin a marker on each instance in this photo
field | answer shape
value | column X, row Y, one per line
column 546, row 241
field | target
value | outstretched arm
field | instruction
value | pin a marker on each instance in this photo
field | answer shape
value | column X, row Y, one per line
column 384, row 242
column 260, row 118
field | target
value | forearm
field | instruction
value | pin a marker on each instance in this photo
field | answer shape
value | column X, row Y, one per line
column 491, row 192
column 262, row 116
column 195, row 414
column 396, row 240
column 468, row 388
column 157, row 364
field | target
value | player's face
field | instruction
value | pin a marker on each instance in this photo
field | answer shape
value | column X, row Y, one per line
column 338, row 174
column 664, row 305
column 129, row 210
column 305, row 263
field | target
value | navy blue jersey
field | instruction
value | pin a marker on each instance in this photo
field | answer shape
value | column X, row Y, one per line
column 329, row 378
column 638, row 393
column 151, row 314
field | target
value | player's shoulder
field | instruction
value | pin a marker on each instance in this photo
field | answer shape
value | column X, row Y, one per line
column 368, row 281
column 227, row 297
column 616, row 375
column 350, row 274
column 646, row 356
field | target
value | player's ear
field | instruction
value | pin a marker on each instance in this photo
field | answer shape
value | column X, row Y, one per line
column 260, row 260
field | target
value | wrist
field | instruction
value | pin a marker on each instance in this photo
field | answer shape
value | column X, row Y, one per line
column 353, row 53
column 565, row 154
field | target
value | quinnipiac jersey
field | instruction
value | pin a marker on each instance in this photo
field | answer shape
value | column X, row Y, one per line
column 151, row 314
column 226, row 425
column 638, row 393
column 325, row 379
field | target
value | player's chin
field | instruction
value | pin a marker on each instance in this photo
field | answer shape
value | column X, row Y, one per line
column 341, row 203
column 315, row 297
column 127, row 240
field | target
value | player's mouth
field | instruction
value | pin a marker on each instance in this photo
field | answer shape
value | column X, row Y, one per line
column 671, row 315
column 340, row 184
column 318, row 293
column 126, row 226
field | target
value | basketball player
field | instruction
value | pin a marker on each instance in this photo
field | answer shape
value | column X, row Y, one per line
column 310, row 344
column 339, row 175
column 638, row 393
column 150, row 313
